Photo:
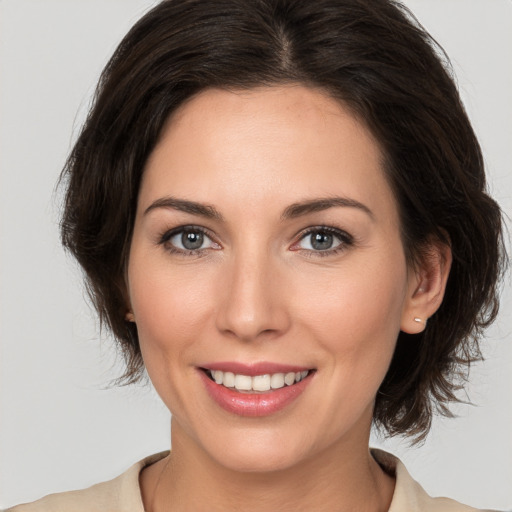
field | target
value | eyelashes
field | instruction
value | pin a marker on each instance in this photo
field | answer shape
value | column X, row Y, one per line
column 188, row 240
column 315, row 241
column 323, row 241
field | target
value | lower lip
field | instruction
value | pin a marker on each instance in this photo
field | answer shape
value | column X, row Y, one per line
column 254, row 404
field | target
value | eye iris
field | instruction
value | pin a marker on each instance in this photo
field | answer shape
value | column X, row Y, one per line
column 192, row 240
column 321, row 241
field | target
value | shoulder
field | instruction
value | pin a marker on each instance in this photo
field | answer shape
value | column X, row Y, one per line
column 409, row 496
column 121, row 494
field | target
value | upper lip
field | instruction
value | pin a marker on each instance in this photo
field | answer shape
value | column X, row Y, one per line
column 252, row 369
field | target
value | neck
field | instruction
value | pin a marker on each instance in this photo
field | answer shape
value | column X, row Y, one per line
column 343, row 477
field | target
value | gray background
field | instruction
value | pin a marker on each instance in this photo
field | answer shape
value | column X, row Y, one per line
column 60, row 427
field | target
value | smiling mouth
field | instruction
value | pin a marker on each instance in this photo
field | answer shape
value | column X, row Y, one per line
column 257, row 383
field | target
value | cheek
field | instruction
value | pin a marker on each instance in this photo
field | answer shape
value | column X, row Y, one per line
column 358, row 312
column 171, row 310
column 354, row 321
column 170, row 307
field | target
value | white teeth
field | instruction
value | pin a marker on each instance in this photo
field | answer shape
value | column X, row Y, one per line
column 277, row 381
column 228, row 380
column 261, row 383
column 243, row 382
column 258, row 382
column 289, row 379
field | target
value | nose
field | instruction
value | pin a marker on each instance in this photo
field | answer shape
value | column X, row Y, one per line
column 253, row 302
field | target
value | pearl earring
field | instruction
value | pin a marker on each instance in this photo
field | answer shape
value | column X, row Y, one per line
column 129, row 317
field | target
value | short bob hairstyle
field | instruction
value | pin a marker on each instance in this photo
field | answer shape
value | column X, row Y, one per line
column 375, row 59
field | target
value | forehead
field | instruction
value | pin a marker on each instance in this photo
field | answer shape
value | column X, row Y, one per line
column 289, row 141
column 297, row 100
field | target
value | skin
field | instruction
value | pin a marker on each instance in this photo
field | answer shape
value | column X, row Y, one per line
column 258, row 291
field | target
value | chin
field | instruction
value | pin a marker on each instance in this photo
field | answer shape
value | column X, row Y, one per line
column 255, row 451
column 258, row 461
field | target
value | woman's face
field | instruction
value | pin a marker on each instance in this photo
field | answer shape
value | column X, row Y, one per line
column 266, row 250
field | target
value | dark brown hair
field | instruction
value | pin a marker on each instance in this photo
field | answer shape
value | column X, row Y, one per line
column 373, row 57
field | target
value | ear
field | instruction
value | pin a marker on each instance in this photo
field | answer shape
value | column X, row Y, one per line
column 426, row 287
column 129, row 315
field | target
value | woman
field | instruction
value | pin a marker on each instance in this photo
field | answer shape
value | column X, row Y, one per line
column 280, row 210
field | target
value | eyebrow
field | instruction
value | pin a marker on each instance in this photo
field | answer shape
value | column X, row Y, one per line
column 203, row 210
column 317, row 205
column 291, row 212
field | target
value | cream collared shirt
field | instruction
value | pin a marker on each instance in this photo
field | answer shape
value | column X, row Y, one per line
column 122, row 494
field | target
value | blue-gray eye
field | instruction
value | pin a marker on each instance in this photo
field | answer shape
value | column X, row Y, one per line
column 191, row 240
column 321, row 240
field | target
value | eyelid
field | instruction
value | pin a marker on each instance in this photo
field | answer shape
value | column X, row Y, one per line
column 346, row 240
column 168, row 234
